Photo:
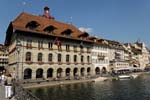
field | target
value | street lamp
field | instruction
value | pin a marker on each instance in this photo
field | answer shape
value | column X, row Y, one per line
column 18, row 48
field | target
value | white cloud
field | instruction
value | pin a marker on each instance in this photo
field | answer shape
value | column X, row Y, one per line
column 86, row 29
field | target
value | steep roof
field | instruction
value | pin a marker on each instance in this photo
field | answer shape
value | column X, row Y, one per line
column 23, row 19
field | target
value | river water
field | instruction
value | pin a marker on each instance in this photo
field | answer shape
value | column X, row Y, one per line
column 134, row 89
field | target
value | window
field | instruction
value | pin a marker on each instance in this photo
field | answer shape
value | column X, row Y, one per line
column 75, row 58
column 82, row 59
column 67, row 58
column 50, row 57
column 32, row 25
column 40, row 44
column 49, row 29
column 88, row 59
column 29, row 43
column 75, row 48
column 67, row 32
column 40, row 57
column 28, row 56
column 59, row 57
column 67, row 47
column 50, row 45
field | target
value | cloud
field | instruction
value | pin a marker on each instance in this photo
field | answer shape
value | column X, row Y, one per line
column 86, row 29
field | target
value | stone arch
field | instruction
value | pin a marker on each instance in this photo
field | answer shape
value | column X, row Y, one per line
column 50, row 73
column 104, row 70
column 97, row 70
column 75, row 71
column 68, row 71
column 27, row 73
column 82, row 71
column 59, row 72
column 135, row 65
column 39, row 73
column 88, row 71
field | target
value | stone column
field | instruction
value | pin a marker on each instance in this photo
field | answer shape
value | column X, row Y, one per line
column 54, row 74
column 33, row 75
column 45, row 75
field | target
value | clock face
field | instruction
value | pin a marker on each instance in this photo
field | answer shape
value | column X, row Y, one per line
column 47, row 11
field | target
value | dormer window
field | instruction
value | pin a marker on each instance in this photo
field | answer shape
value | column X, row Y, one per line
column 67, row 32
column 49, row 29
column 32, row 25
column 85, row 35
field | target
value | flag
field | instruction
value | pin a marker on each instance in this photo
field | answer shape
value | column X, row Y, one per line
column 57, row 42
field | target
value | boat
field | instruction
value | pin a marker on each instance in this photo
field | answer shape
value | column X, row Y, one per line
column 100, row 79
column 124, row 77
column 134, row 76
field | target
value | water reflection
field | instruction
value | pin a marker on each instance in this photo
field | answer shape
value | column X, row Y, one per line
column 137, row 89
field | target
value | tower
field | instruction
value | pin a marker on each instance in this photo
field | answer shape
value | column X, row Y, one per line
column 47, row 13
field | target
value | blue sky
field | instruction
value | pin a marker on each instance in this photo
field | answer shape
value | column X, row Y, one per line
column 121, row 20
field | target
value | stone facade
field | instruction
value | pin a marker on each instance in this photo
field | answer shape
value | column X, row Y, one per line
column 34, row 55
column 3, row 57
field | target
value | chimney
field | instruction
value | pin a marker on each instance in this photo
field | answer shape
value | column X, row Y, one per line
column 47, row 13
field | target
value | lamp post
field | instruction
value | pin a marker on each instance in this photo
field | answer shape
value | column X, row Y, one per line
column 18, row 48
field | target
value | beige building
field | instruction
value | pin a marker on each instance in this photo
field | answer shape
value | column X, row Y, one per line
column 41, row 47
column 3, row 57
column 99, row 55
column 139, row 54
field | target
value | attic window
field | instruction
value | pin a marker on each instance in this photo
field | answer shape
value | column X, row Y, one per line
column 85, row 35
column 49, row 29
column 67, row 32
column 32, row 25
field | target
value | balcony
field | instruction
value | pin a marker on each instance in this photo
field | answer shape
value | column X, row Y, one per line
column 82, row 51
column 75, row 50
column 101, row 57
column 50, row 62
column 40, row 62
column 29, row 47
column 88, row 51
column 60, row 63
column 50, row 48
column 68, row 50
column 68, row 63
column 29, row 62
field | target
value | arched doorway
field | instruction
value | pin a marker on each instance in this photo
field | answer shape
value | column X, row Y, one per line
column 134, row 65
column 50, row 73
column 68, row 72
column 27, row 73
column 39, row 73
column 82, row 71
column 75, row 72
column 59, row 72
column 97, row 71
column 104, row 71
column 88, row 71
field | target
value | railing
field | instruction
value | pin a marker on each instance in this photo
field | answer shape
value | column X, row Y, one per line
column 21, row 94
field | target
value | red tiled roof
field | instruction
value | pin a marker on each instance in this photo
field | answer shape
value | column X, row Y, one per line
column 23, row 19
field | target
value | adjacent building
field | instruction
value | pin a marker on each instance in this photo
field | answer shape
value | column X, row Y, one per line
column 3, row 57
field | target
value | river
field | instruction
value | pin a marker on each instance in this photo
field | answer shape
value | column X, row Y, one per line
column 134, row 89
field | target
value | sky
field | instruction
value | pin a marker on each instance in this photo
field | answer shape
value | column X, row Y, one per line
column 120, row 20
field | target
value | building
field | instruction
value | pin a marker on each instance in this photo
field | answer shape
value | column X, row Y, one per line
column 3, row 57
column 139, row 54
column 99, row 55
column 43, row 48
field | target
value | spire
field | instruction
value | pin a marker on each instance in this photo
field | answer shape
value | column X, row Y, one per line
column 47, row 13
